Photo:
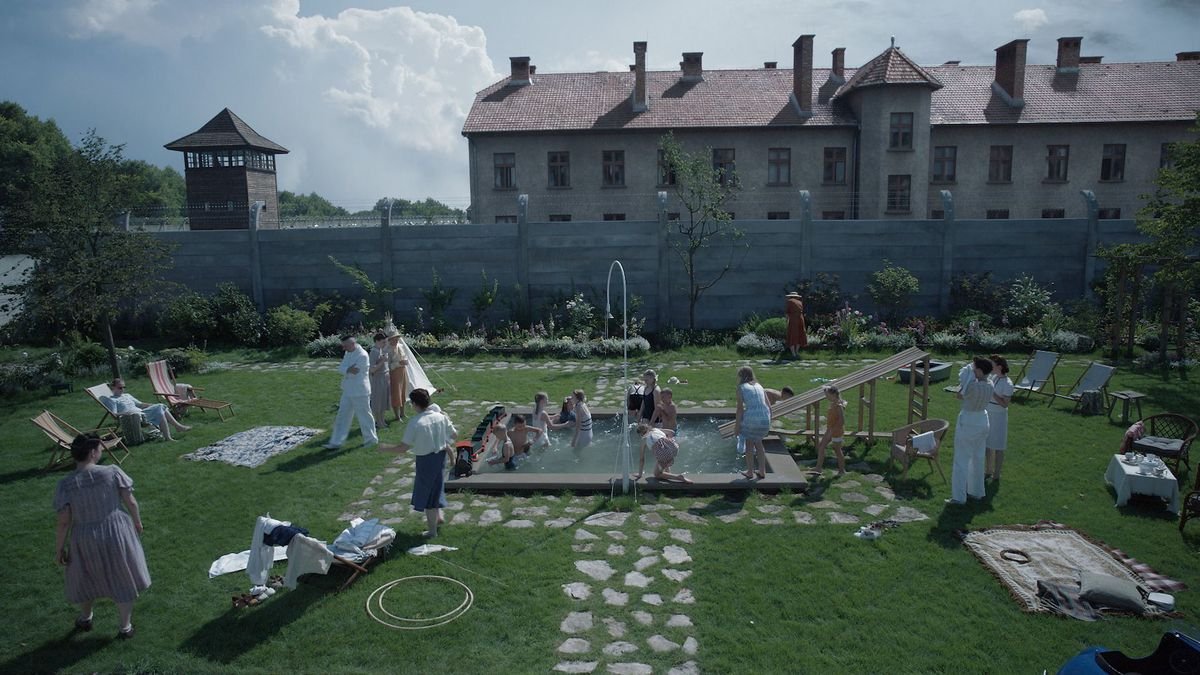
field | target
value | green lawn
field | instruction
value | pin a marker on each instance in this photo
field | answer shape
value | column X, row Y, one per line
column 769, row 598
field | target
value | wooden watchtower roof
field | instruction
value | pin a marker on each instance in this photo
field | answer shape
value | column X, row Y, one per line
column 226, row 130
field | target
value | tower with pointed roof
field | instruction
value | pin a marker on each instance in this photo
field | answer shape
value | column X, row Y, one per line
column 228, row 166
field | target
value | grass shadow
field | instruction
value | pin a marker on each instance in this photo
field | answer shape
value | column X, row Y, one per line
column 26, row 474
column 237, row 631
column 57, row 654
column 318, row 456
column 955, row 519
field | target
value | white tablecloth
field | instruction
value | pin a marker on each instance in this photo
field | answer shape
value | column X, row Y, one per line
column 1126, row 480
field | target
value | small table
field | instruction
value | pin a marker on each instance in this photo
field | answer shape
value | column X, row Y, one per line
column 1126, row 479
column 1126, row 397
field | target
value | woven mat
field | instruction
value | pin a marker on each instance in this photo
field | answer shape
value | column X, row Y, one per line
column 1020, row 555
column 253, row 447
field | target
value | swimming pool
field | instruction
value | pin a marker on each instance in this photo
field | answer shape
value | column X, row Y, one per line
column 709, row 460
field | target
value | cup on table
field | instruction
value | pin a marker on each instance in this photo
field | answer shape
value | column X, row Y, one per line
column 1129, row 456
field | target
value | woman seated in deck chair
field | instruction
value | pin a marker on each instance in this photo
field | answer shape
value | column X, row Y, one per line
column 157, row 414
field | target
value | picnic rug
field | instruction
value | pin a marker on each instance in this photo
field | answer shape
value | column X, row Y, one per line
column 253, row 447
column 1051, row 553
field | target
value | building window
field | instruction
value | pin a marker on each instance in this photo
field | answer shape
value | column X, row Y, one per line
column 614, row 216
column 505, row 164
column 1112, row 164
column 1109, row 214
column 1054, row 213
column 937, row 214
column 945, row 163
column 674, row 215
column 997, row 214
column 834, row 172
column 779, row 215
column 779, row 166
column 723, row 165
column 901, row 137
column 560, row 217
column 833, row 215
column 614, row 168
column 666, row 174
column 1164, row 156
column 1056, row 162
column 899, row 194
column 506, row 219
column 1000, row 164
column 559, row 166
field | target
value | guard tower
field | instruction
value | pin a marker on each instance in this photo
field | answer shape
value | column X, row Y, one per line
column 228, row 166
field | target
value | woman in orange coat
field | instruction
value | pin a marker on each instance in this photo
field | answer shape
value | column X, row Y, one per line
column 796, row 336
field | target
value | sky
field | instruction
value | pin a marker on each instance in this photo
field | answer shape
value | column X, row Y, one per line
column 370, row 95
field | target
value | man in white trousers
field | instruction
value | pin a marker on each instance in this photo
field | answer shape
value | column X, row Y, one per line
column 356, row 396
column 971, row 432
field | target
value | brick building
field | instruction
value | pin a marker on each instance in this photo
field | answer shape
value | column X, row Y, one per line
column 227, row 167
column 1009, row 140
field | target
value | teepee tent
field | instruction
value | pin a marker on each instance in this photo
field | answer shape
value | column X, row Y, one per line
column 417, row 379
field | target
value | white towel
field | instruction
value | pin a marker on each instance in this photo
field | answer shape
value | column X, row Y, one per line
column 306, row 556
column 924, row 442
column 236, row 562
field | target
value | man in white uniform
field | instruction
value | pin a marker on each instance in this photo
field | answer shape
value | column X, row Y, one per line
column 356, row 396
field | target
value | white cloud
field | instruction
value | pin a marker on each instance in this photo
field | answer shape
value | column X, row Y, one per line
column 149, row 23
column 408, row 75
column 1031, row 19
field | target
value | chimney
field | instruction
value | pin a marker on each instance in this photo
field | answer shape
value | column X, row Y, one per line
column 802, row 53
column 839, row 64
column 1091, row 59
column 520, row 71
column 770, row 65
column 1187, row 56
column 1068, row 54
column 952, row 63
column 1010, row 73
column 532, row 71
column 692, row 65
column 639, row 99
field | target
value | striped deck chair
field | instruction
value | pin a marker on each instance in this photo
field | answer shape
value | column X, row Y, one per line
column 1037, row 372
column 163, row 381
column 63, row 434
column 1095, row 378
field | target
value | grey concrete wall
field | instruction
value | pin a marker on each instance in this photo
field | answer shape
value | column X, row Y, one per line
column 549, row 260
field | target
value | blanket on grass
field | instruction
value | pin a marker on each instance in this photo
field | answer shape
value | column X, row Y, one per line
column 253, row 447
column 1021, row 556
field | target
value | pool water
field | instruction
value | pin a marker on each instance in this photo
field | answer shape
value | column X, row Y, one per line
column 701, row 450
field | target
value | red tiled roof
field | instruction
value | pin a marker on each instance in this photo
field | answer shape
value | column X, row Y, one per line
column 1099, row 92
column 890, row 67
column 1110, row 92
column 226, row 130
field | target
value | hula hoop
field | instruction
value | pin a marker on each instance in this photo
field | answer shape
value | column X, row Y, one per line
column 376, row 598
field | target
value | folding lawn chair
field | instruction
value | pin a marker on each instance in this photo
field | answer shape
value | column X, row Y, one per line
column 1036, row 373
column 63, row 434
column 356, row 548
column 1095, row 378
column 163, row 381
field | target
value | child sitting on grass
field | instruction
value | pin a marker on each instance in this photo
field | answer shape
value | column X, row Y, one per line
column 664, row 448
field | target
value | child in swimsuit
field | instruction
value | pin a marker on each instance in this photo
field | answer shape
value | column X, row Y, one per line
column 665, row 449
column 519, row 435
column 583, row 422
column 503, row 443
column 540, row 419
column 835, row 423
column 665, row 414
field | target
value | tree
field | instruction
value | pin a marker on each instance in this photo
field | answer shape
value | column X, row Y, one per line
column 428, row 209
column 29, row 151
column 154, row 187
column 703, row 190
column 892, row 289
column 87, row 267
column 311, row 204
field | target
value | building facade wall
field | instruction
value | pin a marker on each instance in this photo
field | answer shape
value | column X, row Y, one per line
column 874, row 107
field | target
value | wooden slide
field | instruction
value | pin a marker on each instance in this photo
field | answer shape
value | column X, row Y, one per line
column 864, row 379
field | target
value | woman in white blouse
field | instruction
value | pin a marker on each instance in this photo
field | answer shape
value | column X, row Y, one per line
column 997, row 440
column 971, row 432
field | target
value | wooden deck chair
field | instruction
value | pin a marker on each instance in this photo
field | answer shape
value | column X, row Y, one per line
column 1036, row 373
column 1095, row 378
column 163, row 381
column 96, row 393
column 902, row 446
column 62, row 434
column 342, row 552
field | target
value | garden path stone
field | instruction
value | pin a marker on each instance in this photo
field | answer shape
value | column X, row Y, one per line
column 615, row 598
column 885, row 492
column 652, row 599
column 558, row 523
column 803, row 517
column 490, row 516
column 519, row 524
column 599, row 570
column 576, row 666
column 676, row 555
column 856, row 497
column 630, row 669
column 583, row 535
column 682, row 535
column 643, row 563
column 577, row 590
column 661, row 644
column 581, row 548
column 652, row 520
column 770, row 508
column 454, row 506
column 847, row 484
column 607, row 519
column 616, row 628
column 637, row 579
column 574, row 510
column 677, row 576
column 688, row 517
column 617, row 535
column 875, row 509
column 839, row 518
column 824, row 504
column 732, row 517
column 532, row 511
column 648, row 535
column 575, row 646
column 393, row 507
column 657, row 507
column 644, row 618
column 690, row 646
column 619, row 648
column 461, row 518
column 576, row 622
column 685, row 668
column 684, row 597
column 616, row 549
column 679, row 621
column 767, row 521
column 403, row 481
column 368, row 491
column 873, row 478
column 483, row 503
column 907, row 514
column 646, row 550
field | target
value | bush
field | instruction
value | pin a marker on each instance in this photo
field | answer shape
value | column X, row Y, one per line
column 325, row 346
column 185, row 360
column 751, row 343
column 892, row 289
column 238, row 321
column 889, row 342
column 946, row 342
column 84, row 358
column 977, row 293
column 463, row 346
column 329, row 309
column 1028, row 302
column 287, row 327
column 677, row 338
column 821, row 296
column 962, row 321
column 133, row 361
column 188, row 319
column 775, row 327
column 993, row 341
column 617, row 346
